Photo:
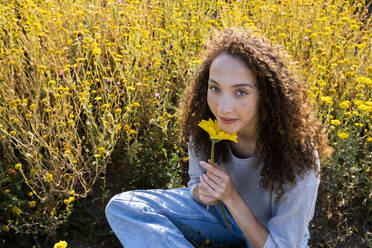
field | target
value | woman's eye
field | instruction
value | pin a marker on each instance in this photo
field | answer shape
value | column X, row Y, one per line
column 213, row 88
column 241, row 93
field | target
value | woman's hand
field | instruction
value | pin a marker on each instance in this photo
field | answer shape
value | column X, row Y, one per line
column 215, row 184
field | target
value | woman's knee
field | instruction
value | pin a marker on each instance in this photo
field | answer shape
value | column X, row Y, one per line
column 118, row 202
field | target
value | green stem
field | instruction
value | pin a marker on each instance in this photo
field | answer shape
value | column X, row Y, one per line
column 212, row 152
column 219, row 202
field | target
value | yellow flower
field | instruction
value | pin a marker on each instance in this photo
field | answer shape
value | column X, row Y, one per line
column 327, row 99
column 6, row 228
column 362, row 107
column 18, row 166
column 67, row 177
column 343, row 135
column 364, row 80
column 60, row 244
column 101, row 150
column 215, row 132
column 354, row 27
column 16, row 210
column 344, row 105
column 96, row 51
column 197, row 61
column 72, row 192
column 32, row 204
column 69, row 200
column 117, row 111
column 369, row 139
column 336, row 122
column 32, row 172
column 49, row 177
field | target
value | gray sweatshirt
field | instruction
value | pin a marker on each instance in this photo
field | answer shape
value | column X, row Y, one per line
column 285, row 220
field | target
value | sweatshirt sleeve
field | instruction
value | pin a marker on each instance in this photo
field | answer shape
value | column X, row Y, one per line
column 195, row 170
column 291, row 216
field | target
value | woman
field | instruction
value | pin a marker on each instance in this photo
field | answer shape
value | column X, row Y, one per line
column 267, row 182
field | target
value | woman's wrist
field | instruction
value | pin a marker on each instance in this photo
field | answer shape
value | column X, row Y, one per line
column 232, row 199
column 195, row 192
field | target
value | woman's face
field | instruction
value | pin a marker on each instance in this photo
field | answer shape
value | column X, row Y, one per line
column 233, row 96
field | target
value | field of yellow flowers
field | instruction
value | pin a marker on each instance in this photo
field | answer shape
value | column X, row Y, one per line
column 89, row 88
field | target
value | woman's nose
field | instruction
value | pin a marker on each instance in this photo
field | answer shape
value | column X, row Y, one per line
column 225, row 105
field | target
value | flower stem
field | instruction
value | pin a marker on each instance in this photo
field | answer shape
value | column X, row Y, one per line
column 219, row 202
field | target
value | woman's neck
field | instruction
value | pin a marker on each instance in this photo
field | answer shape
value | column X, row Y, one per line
column 243, row 149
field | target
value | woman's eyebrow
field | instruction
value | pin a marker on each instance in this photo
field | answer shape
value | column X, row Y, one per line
column 235, row 85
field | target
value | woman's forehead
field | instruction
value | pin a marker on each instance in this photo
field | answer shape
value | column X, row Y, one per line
column 231, row 69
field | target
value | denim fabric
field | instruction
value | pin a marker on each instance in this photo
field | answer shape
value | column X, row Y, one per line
column 170, row 218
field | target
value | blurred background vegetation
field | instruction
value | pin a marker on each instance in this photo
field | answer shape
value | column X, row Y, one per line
column 88, row 100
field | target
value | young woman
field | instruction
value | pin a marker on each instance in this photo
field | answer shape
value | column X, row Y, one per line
column 267, row 182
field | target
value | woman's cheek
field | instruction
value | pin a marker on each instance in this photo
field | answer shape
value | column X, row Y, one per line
column 212, row 103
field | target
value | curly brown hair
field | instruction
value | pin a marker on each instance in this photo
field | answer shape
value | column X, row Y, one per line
column 288, row 131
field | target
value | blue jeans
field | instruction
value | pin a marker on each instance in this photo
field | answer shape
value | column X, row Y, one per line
column 170, row 218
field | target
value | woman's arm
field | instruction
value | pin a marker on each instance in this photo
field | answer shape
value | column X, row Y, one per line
column 252, row 229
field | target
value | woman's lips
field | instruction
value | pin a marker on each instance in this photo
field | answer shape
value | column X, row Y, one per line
column 227, row 121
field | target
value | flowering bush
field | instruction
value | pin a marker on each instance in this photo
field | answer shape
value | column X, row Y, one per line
column 77, row 78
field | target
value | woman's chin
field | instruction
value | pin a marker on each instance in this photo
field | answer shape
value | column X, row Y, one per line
column 228, row 129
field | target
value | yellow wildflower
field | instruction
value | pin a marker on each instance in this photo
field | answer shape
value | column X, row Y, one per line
column 16, row 210
column 344, row 105
column 32, row 204
column 354, row 27
column 362, row 107
column 60, row 244
column 327, row 99
column 336, row 122
column 96, row 51
column 49, row 177
column 69, row 200
column 32, row 172
column 101, row 150
column 6, row 228
column 215, row 132
column 343, row 135
column 18, row 166
column 67, row 177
